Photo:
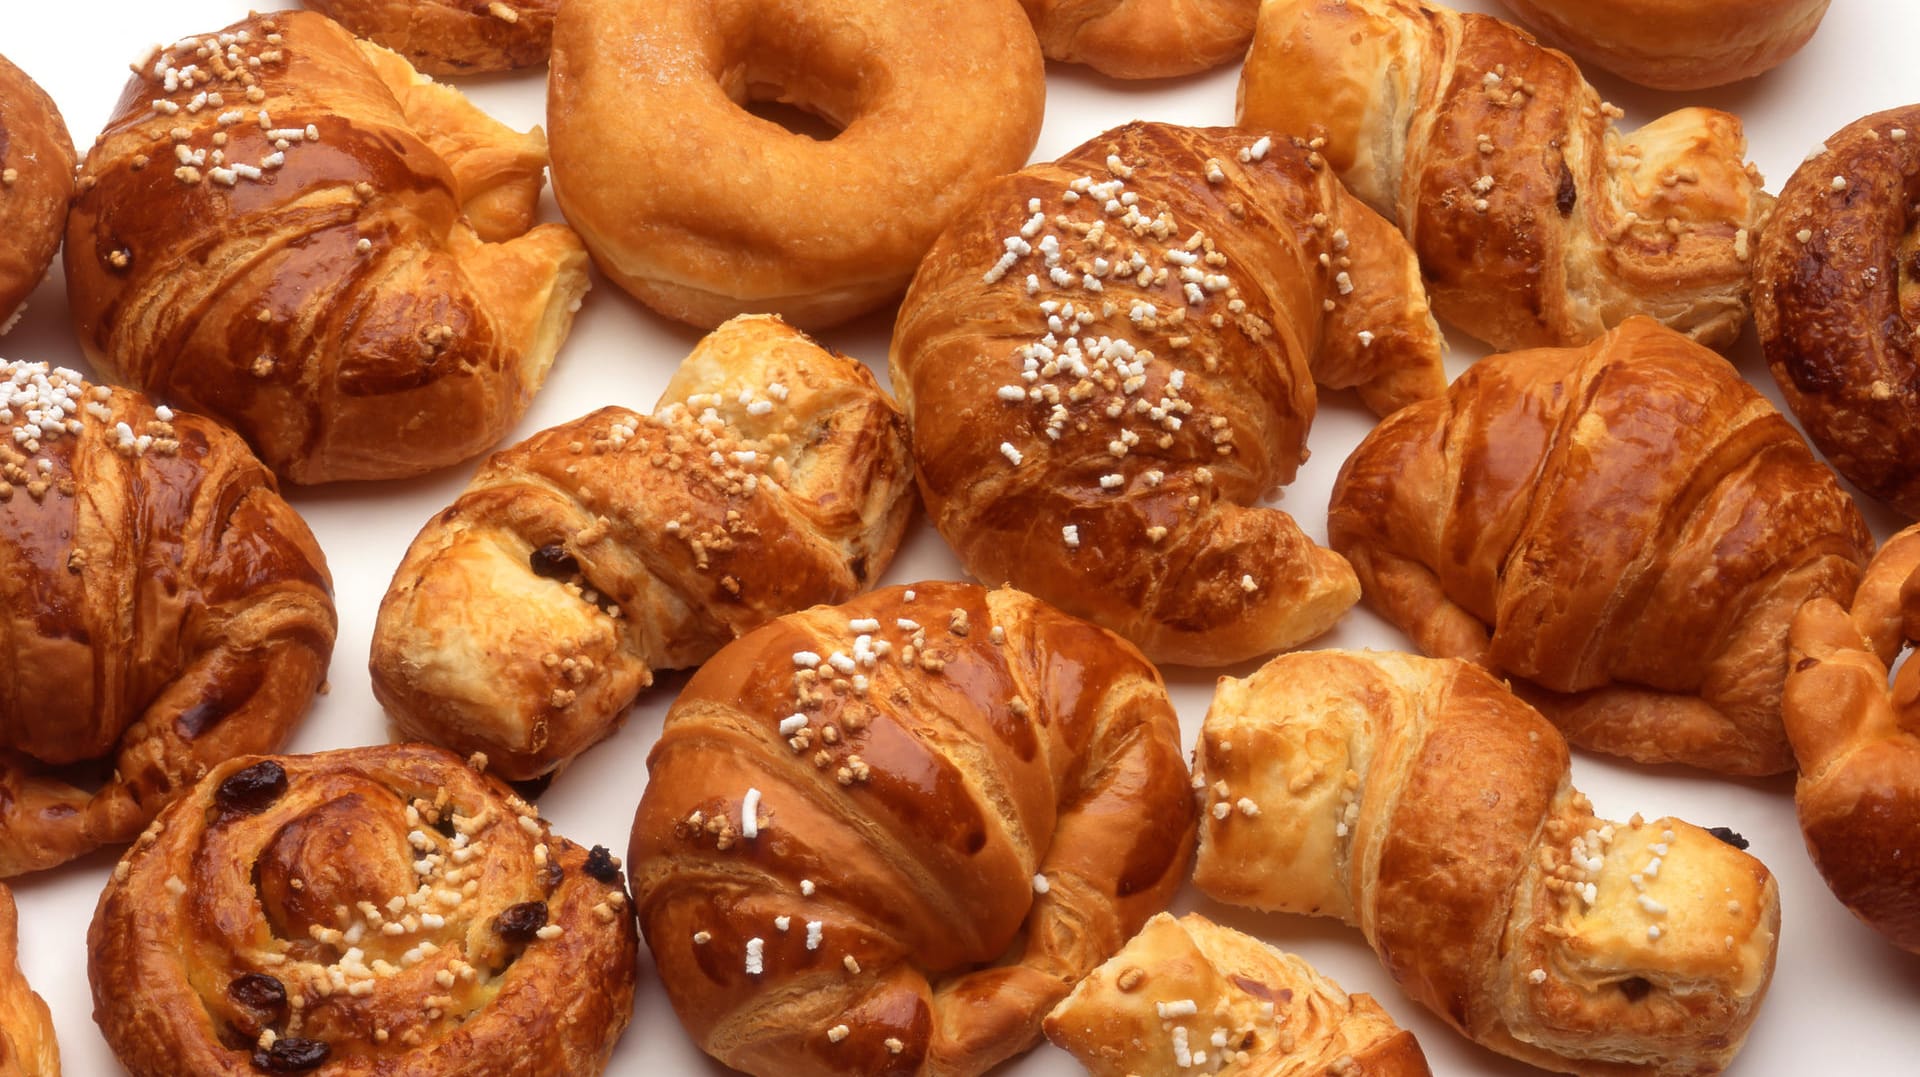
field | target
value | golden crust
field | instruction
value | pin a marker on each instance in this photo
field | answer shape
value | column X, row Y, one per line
column 1676, row 44
column 1125, row 485
column 1626, row 529
column 1536, row 222
column 27, row 1046
column 773, row 475
column 36, row 183
column 452, row 37
column 1261, row 1011
column 1424, row 803
column 1837, row 299
column 282, row 895
column 1144, row 39
column 703, row 210
column 373, row 304
column 165, row 610
column 946, row 836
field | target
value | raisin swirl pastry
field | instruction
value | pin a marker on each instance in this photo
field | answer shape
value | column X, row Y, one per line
column 886, row 837
column 162, row 609
column 452, row 37
column 370, row 911
column 36, row 183
column 27, row 1045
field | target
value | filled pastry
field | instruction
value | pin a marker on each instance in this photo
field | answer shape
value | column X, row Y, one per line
column 452, row 37
column 1144, row 39
column 773, row 475
column 36, row 183
column 1676, row 44
column 886, row 837
column 27, row 1045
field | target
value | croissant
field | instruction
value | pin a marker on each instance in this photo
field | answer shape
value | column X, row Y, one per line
column 1537, row 223
column 1837, row 305
column 164, row 609
column 1422, row 802
column 1858, row 741
column 1677, row 44
column 1189, row 995
column 452, row 37
column 371, row 911
column 772, row 476
column 896, row 858
column 323, row 249
column 36, row 183
column 1104, row 375
column 1626, row 529
column 1144, row 39
column 27, row 1047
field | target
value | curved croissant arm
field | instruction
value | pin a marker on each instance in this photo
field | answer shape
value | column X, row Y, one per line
column 1536, row 221
column 896, row 858
column 167, row 610
column 27, row 1045
column 1144, row 39
column 525, row 618
column 322, row 248
column 1421, row 801
column 1626, row 529
column 1111, row 359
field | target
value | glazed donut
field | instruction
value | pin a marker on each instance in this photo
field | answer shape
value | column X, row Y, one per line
column 703, row 210
column 373, row 911
column 1144, row 39
column 1837, row 299
column 452, row 37
column 36, row 184
column 1676, row 44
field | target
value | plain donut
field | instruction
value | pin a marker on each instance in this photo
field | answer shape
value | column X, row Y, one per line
column 703, row 210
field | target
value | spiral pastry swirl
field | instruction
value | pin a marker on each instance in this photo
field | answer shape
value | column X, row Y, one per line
column 376, row 910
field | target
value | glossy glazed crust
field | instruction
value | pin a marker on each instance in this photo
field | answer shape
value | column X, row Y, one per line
column 1421, row 801
column 1144, row 39
column 1837, row 299
column 452, row 37
column 1179, row 398
column 995, row 740
column 36, row 183
column 1275, row 1014
column 1537, row 222
column 275, row 884
column 374, row 307
column 772, row 475
column 703, row 210
column 1857, row 739
column 1627, row 529
column 1676, row 44
column 27, row 1047
column 165, row 610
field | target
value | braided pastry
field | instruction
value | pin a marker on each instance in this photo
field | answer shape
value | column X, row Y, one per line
column 1188, row 995
column 1422, row 802
column 1105, row 375
column 325, row 249
column 378, row 910
column 1626, row 528
column 897, row 858
column 1858, row 741
column 1677, row 44
column 36, row 182
column 1837, row 299
column 452, row 37
column 772, row 476
column 164, row 610
column 1536, row 222
column 1144, row 39
column 27, row 1046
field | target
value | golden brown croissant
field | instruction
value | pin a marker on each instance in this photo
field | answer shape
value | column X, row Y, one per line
column 452, row 37
column 1536, row 222
column 1857, row 739
column 1422, row 802
column 1187, row 995
column 364, row 912
column 1109, row 359
column 887, row 837
column 773, row 475
column 1676, row 44
column 1626, row 528
column 1144, row 39
column 36, row 183
column 1837, row 299
column 27, row 1046
column 298, row 234
column 164, row 610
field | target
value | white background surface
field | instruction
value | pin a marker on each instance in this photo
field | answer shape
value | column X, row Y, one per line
column 1840, row 996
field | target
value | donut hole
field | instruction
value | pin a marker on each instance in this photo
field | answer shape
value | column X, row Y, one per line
column 796, row 93
column 794, row 119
